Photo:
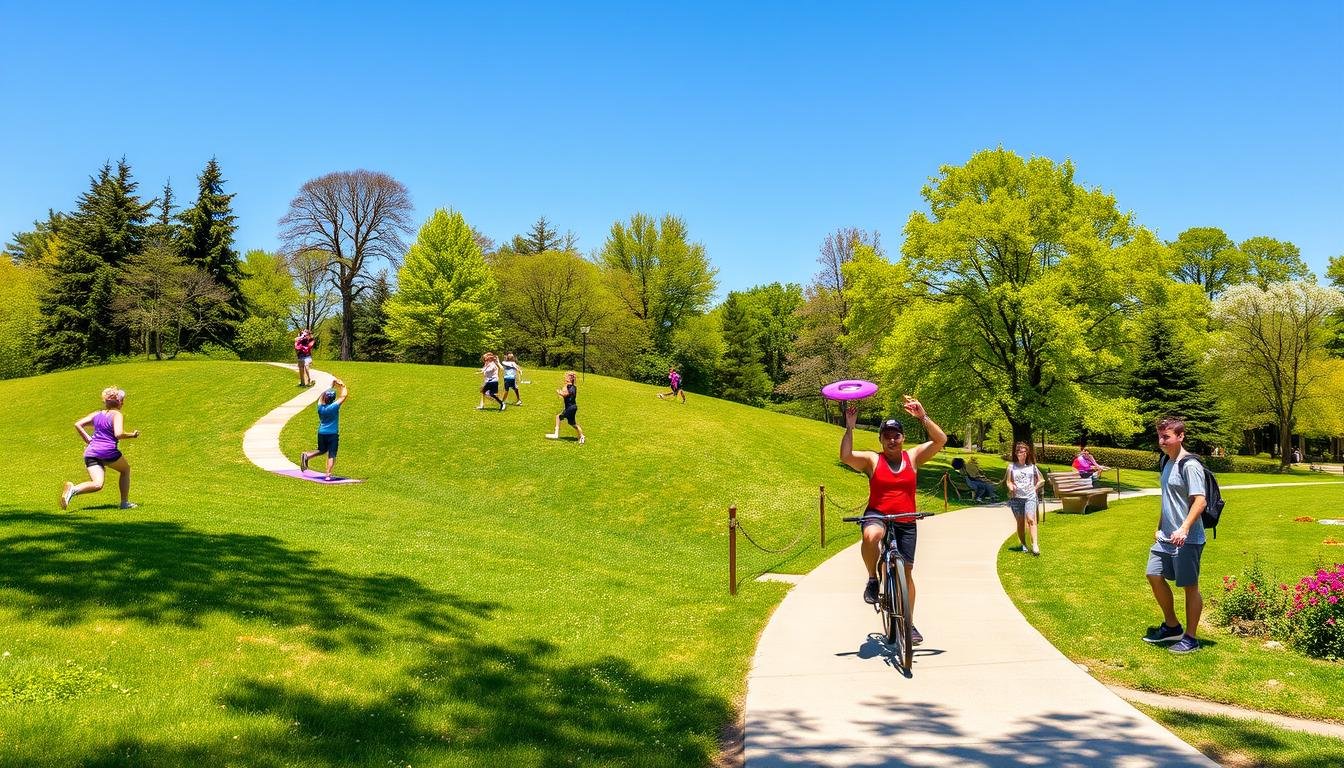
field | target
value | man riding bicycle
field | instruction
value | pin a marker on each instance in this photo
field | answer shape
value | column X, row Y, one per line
column 891, row 490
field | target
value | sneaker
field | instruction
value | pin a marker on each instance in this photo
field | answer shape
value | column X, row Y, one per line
column 915, row 637
column 303, row 462
column 1036, row 551
column 501, row 406
column 480, row 407
column 66, row 492
column 549, row 436
column 870, row 592
column 660, row 396
column 580, row 439
column 129, row 505
column 518, row 402
column 1163, row 634
column 1186, row 644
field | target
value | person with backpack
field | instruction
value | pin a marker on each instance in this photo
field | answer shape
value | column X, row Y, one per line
column 1179, row 540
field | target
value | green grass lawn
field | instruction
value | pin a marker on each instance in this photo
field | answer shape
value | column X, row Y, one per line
column 487, row 597
column 1235, row 742
column 1088, row 595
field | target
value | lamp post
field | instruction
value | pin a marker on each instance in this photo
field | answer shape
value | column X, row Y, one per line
column 584, row 367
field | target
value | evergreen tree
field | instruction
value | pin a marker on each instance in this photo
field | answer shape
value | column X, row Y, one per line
column 164, row 232
column 1167, row 382
column 542, row 237
column 371, row 340
column 742, row 377
column 207, row 243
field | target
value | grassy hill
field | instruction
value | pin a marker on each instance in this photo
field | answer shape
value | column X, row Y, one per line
column 487, row 597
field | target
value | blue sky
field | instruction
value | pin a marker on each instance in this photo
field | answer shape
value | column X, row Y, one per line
column 764, row 125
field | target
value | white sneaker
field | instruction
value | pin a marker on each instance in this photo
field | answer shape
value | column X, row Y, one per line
column 65, row 494
column 549, row 436
column 1036, row 551
column 580, row 440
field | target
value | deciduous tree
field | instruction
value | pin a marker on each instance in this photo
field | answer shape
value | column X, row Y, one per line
column 1207, row 257
column 272, row 299
column 547, row 298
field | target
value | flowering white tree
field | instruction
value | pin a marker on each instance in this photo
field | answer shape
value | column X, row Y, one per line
column 1272, row 343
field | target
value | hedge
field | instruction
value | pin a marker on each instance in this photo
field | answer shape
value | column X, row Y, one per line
column 1126, row 458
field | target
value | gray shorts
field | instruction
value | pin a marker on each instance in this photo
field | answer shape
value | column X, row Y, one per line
column 1182, row 567
column 1023, row 507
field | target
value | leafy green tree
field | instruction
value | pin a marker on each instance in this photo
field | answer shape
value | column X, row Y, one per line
column 41, row 244
column 742, row 377
column 371, row 319
column 20, row 289
column 1334, row 273
column 547, row 298
column 1273, row 261
column 447, row 302
column 697, row 349
column 354, row 219
column 775, row 308
column 1207, row 257
column 1013, row 292
column 206, row 241
column 658, row 275
column 268, row 289
column 1272, row 343
column 1167, row 381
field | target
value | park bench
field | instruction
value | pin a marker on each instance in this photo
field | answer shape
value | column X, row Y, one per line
column 1075, row 494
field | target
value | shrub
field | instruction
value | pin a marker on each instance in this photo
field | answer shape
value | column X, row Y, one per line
column 1124, row 458
column 1315, row 615
column 1241, row 464
column 1251, row 604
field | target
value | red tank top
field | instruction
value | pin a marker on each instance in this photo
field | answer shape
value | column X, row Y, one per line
column 892, row 493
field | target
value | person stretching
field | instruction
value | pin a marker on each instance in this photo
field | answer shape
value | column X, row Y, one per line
column 511, row 371
column 570, row 394
column 303, row 349
column 101, row 450
column 490, row 371
column 674, row 382
column 328, row 427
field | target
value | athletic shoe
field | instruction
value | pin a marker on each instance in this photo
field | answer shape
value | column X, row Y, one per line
column 1163, row 634
column 1036, row 551
column 480, row 407
column 915, row 637
column 1186, row 644
column 551, row 437
column 501, row 406
column 129, row 505
column 327, row 478
column 65, row 494
column 581, row 439
column 519, row 402
column 870, row 592
column 303, row 462
column 660, row 395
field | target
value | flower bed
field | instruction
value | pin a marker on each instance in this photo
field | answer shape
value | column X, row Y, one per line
column 1309, row 615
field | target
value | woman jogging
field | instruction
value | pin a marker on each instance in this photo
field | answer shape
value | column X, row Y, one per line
column 101, row 453
column 511, row 371
column 1024, row 493
column 891, row 491
column 303, row 349
column 570, row 394
column 328, row 427
column 490, row 371
column 674, row 382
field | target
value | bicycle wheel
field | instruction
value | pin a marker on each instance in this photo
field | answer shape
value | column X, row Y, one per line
column 883, row 603
column 890, row 601
column 900, row 615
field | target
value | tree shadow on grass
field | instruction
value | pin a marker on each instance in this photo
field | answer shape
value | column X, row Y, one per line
column 64, row 569
column 466, row 702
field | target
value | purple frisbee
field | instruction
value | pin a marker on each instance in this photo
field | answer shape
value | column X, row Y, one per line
column 849, row 389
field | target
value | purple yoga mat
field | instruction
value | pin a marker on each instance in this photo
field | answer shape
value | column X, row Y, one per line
column 318, row 477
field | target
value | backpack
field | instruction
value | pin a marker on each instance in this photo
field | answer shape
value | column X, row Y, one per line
column 1213, row 498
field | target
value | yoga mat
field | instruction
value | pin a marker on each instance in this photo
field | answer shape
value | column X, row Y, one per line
column 318, row 477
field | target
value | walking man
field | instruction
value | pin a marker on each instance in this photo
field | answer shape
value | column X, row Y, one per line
column 1179, row 543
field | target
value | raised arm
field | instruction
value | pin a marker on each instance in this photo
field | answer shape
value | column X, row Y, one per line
column 344, row 391
column 862, row 461
column 937, row 438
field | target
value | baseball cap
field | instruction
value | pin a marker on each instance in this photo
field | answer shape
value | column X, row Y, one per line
column 889, row 425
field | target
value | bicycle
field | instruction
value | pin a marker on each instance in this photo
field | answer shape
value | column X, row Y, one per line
column 893, row 597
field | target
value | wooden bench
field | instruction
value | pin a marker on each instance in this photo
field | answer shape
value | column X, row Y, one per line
column 1075, row 494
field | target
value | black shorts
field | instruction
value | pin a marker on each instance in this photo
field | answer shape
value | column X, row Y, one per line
column 568, row 414
column 510, row 384
column 490, row 388
column 328, row 444
column 90, row 461
column 906, row 534
column 676, row 388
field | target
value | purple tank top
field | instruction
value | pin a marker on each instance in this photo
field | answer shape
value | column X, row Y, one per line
column 104, row 442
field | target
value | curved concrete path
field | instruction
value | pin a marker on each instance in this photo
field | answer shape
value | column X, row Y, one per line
column 987, row 688
column 261, row 442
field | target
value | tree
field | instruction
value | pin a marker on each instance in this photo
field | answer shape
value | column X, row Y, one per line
column 268, row 289
column 371, row 320
column 1012, row 293
column 659, row 276
column 206, row 238
column 355, row 218
column 1272, row 343
column 20, row 289
column 547, row 298
column 1207, row 257
column 309, row 270
column 41, row 244
column 741, row 375
column 775, row 308
column 149, row 296
column 1334, row 272
column 1273, row 261
column 1167, row 382
column 447, row 301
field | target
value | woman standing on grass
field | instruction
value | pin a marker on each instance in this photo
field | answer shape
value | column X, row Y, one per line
column 101, row 451
column 1024, row 493
column 511, row 371
column 570, row 394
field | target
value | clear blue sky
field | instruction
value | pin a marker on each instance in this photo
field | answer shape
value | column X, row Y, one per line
column 764, row 125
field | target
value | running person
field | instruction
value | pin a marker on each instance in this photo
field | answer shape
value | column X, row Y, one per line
column 891, row 491
column 303, row 350
column 328, row 427
column 511, row 371
column 101, row 452
column 570, row 394
column 490, row 371
column 1024, row 493
column 673, row 381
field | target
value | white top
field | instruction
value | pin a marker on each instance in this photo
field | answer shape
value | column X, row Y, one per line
column 491, row 371
column 510, row 369
column 1024, row 480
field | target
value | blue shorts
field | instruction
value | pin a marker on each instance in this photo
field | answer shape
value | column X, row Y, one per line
column 1182, row 567
column 328, row 444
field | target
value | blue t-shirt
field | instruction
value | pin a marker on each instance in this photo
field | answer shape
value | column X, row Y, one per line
column 328, row 418
column 1177, row 488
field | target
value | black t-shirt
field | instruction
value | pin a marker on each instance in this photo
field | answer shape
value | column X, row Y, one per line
column 571, row 396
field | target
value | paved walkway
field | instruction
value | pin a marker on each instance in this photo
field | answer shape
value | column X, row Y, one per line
column 986, row 689
column 261, row 442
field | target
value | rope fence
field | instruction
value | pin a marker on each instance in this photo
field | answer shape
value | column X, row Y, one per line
column 735, row 524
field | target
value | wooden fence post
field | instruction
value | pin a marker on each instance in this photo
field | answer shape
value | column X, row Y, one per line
column 821, row 506
column 732, row 550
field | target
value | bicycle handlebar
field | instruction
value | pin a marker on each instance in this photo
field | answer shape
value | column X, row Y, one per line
column 890, row 518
